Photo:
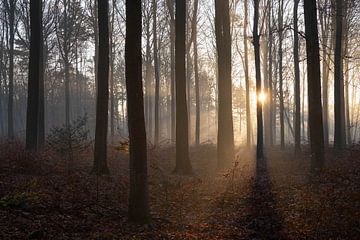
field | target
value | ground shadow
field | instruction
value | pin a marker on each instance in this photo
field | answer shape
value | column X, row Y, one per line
column 263, row 222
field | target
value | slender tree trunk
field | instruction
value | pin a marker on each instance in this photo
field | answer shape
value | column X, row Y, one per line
column 314, row 86
column 270, row 62
column 197, row 84
column 33, row 102
column 260, row 135
column 297, row 80
column 112, row 80
column 138, row 198
column 157, row 72
column 281, row 91
column 225, row 142
column 100, row 152
column 183, row 164
column 339, row 137
column 247, row 77
column 170, row 5
column 12, row 8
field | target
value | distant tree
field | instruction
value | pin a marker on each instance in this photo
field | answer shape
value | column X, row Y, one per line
column 35, row 75
column 247, row 77
column 10, row 8
column 259, row 113
column 183, row 164
column 100, row 153
column 281, row 71
column 314, row 86
column 138, row 198
column 340, row 136
column 157, row 72
column 297, row 78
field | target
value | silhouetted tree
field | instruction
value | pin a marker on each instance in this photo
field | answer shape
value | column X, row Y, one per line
column 297, row 78
column 102, row 99
column 183, row 164
column 314, row 85
column 340, row 136
column 138, row 198
column 35, row 75
column 225, row 144
column 259, row 113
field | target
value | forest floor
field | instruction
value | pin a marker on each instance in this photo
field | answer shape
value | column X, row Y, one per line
column 42, row 198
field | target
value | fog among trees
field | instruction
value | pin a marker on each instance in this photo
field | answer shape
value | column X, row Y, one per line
column 174, row 119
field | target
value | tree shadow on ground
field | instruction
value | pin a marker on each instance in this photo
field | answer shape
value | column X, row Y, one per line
column 263, row 222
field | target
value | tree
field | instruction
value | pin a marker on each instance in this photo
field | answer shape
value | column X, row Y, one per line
column 196, row 73
column 157, row 72
column 225, row 137
column 138, row 198
column 183, row 164
column 10, row 6
column 297, row 78
column 102, row 100
column 35, row 73
column 260, row 134
column 340, row 136
column 281, row 91
column 314, row 86
column 247, row 77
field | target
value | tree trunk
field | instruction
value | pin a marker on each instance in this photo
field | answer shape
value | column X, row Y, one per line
column 247, row 77
column 33, row 101
column 225, row 137
column 138, row 198
column 100, row 151
column 297, row 80
column 339, row 137
column 157, row 73
column 314, row 86
column 183, row 165
column 196, row 73
column 259, row 114
column 112, row 80
column 281, row 92
column 12, row 8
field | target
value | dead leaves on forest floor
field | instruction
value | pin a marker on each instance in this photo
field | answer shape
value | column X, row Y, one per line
column 276, row 199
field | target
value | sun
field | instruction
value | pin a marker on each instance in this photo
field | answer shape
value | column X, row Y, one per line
column 261, row 97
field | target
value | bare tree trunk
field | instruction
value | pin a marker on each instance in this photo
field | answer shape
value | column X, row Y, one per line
column 247, row 77
column 183, row 164
column 339, row 138
column 196, row 73
column 170, row 5
column 314, row 86
column 225, row 142
column 138, row 197
column 11, row 11
column 112, row 65
column 281, row 91
column 35, row 68
column 297, row 80
column 157, row 72
column 260, row 136
column 100, row 152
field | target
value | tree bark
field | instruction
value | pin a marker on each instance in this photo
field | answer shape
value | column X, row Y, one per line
column 138, row 198
column 225, row 137
column 297, row 80
column 183, row 165
column 35, row 68
column 314, row 86
column 259, row 114
column 339, row 106
column 100, row 152
column 247, row 77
